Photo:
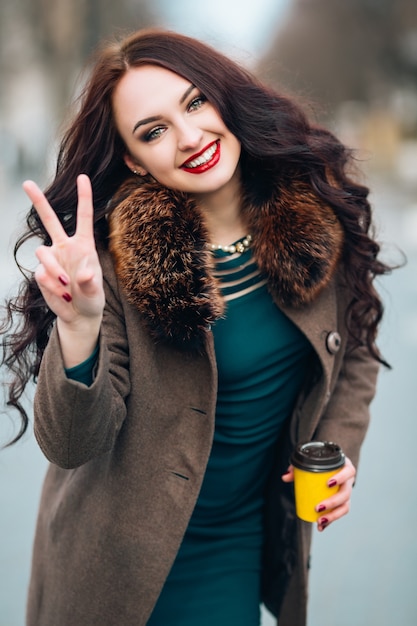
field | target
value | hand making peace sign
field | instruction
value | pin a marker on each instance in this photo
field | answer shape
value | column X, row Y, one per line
column 69, row 273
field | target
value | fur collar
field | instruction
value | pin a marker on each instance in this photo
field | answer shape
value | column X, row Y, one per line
column 158, row 243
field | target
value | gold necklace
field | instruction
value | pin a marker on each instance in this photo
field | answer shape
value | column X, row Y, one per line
column 239, row 246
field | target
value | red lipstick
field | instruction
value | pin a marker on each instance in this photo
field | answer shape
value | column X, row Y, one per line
column 211, row 161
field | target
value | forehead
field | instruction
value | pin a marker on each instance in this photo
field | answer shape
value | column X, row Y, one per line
column 148, row 88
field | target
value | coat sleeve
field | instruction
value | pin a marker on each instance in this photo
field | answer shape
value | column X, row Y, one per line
column 345, row 416
column 345, row 419
column 74, row 423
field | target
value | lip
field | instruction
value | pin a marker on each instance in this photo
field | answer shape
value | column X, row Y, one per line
column 199, row 169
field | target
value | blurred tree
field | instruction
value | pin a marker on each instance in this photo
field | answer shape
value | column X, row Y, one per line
column 66, row 31
column 44, row 44
column 59, row 35
column 338, row 50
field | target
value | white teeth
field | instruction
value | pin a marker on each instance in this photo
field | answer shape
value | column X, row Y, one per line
column 206, row 156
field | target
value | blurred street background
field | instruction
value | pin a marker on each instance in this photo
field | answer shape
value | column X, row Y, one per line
column 353, row 64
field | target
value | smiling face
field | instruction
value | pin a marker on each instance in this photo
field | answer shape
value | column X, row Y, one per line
column 172, row 132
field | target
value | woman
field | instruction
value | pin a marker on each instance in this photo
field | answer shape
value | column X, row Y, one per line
column 220, row 311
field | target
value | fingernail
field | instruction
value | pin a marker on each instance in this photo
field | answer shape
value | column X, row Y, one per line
column 63, row 280
column 321, row 508
column 323, row 522
column 67, row 297
column 332, row 482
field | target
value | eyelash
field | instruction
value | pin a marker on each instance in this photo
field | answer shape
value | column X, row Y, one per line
column 152, row 134
column 201, row 99
column 156, row 132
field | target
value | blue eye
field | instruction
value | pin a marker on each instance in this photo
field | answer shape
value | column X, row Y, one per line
column 154, row 133
column 197, row 102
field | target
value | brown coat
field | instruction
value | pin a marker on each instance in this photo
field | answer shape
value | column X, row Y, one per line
column 128, row 454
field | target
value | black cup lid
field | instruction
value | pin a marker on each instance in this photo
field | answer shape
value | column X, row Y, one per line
column 318, row 456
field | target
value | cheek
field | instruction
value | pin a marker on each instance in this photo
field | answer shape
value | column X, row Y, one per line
column 139, row 154
column 235, row 147
column 159, row 167
column 157, row 162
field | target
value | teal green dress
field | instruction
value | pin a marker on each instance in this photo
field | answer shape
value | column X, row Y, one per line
column 262, row 359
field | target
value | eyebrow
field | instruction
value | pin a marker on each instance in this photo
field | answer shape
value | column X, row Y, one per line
column 155, row 118
column 187, row 93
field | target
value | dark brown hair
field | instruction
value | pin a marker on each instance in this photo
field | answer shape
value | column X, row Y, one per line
column 277, row 141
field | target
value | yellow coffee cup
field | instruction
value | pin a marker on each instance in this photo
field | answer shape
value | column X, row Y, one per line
column 314, row 463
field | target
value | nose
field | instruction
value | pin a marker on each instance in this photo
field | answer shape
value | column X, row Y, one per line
column 189, row 136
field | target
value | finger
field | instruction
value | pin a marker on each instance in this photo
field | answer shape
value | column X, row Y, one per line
column 51, row 265
column 336, row 500
column 330, row 517
column 51, row 292
column 85, row 209
column 333, row 513
column 89, row 283
column 46, row 213
column 289, row 475
column 51, row 275
column 345, row 474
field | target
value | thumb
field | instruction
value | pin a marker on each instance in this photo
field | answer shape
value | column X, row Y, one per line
column 288, row 477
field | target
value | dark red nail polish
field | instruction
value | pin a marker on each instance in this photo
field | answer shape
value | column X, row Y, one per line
column 67, row 297
column 332, row 483
column 323, row 522
column 63, row 280
column 321, row 508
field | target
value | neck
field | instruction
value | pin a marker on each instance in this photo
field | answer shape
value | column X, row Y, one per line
column 222, row 212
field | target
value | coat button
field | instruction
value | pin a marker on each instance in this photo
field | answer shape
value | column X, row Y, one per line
column 333, row 342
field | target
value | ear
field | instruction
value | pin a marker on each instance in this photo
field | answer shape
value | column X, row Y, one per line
column 132, row 165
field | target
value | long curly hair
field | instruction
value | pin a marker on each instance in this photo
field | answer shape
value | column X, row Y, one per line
column 277, row 141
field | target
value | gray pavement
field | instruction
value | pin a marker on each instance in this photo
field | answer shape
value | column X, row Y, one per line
column 364, row 567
